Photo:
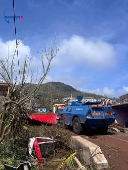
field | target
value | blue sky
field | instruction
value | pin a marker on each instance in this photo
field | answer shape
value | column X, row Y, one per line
column 92, row 37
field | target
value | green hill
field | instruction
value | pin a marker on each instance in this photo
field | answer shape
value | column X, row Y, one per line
column 60, row 90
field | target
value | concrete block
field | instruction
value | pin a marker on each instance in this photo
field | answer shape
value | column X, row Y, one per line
column 88, row 152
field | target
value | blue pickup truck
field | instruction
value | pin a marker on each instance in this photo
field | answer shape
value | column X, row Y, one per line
column 86, row 115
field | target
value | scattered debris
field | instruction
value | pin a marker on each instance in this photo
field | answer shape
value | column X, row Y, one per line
column 126, row 130
column 80, row 166
column 22, row 166
column 118, row 128
column 113, row 129
column 71, row 163
column 43, row 147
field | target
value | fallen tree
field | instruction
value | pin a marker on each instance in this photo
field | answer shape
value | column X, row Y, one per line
column 14, row 111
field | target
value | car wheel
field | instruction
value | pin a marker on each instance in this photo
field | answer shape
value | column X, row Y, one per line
column 77, row 126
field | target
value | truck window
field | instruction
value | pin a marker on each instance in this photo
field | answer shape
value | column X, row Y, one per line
column 69, row 109
column 109, row 110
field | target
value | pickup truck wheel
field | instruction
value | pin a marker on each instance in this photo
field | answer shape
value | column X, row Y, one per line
column 77, row 126
column 62, row 121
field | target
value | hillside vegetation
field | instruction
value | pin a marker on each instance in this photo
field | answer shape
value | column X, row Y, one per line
column 60, row 90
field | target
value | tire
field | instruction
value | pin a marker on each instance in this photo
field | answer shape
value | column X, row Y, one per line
column 62, row 121
column 77, row 126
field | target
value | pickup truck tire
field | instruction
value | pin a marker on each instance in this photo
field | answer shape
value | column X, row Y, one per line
column 77, row 126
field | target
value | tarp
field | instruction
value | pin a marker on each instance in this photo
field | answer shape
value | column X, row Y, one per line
column 47, row 118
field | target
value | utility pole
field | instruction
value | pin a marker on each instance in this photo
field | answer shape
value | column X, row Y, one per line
column 71, row 96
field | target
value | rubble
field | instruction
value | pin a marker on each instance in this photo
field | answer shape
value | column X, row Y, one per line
column 125, row 130
column 43, row 147
column 113, row 129
column 72, row 163
column 118, row 128
column 80, row 166
column 22, row 166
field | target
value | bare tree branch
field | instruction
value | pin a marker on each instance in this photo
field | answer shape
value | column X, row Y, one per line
column 14, row 112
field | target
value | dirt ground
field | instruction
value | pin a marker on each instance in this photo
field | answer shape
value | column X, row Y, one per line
column 114, row 147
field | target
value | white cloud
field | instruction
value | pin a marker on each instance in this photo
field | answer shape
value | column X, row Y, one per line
column 125, row 88
column 79, row 51
column 24, row 51
column 111, row 92
column 9, row 48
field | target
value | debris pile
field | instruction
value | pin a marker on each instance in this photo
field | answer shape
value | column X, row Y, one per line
column 118, row 128
column 42, row 148
column 22, row 166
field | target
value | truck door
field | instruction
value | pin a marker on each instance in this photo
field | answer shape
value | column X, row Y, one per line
column 68, row 115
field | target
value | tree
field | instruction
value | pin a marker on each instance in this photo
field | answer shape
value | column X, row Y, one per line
column 14, row 110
